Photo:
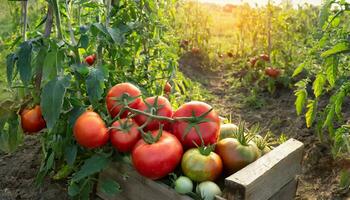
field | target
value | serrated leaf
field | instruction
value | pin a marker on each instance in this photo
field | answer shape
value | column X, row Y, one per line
column 300, row 101
column 73, row 189
column 332, row 70
column 95, row 84
column 109, row 187
column 50, row 66
column 311, row 112
column 299, row 69
column 70, row 154
column 338, row 48
column 84, row 41
column 12, row 136
column 52, row 99
column 24, row 62
column 91, row 166
column 318, row 84
column 10, row 64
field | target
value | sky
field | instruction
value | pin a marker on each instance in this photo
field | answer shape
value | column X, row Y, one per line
column 262, row 2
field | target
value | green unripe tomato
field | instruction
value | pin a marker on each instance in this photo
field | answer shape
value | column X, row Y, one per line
column 183, row 185
column 208, row 190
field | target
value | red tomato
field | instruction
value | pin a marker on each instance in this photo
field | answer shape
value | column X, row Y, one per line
column 167, row 88
column 157, row 160
column 32, row 120
column 264, row 57
column 253, row 61
column 90, row 60
column 114, row 105
column 195, row 50
column 90, row 131
column 124, row 134
column 164, row 109
column 209, row 130
column 272, row 72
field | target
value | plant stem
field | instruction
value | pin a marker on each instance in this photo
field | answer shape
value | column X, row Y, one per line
column 49, row 21
column 71, row 33
column 25, row 18
column 58, row 18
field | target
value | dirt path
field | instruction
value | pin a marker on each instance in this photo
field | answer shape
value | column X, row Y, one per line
column 319, row 173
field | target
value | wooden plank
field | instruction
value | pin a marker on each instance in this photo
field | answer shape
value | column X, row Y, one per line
column 136, row 187
column 266, row 176
column 287, row 192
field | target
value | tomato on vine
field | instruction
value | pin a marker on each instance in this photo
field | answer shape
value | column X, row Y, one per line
column 202, row 127
column 120, row 94
column 32, row 120
column 157, row 155
column 90, row 131
column 90, row 59
column 159, row 106
column 272, row 72
column 265, row 57
column 124, row 134
column 167, row 88
column 201, row 164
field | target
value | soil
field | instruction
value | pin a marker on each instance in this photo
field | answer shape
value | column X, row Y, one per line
column 320, row 173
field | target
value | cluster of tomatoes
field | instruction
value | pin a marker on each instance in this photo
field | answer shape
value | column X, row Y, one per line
column 269, row 71
column 160, row 139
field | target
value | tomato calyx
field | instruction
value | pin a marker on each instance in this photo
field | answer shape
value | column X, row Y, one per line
column 241, row 135
column 124, row 100
column 148, row 137
column 124, row 126
column 206, row 150
column 193, row 122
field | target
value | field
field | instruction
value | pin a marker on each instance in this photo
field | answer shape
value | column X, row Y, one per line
column 276, row 71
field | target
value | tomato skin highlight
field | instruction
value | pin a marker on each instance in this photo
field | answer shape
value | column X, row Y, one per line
column 200, row 167
column 90, row 131
column 167, row 88
column 157, row 160
column 210, row 130
column 234, row 155
column 90, row 60
column 124, row 140
column 165, row 110
column 32, row 120
column 116, row 92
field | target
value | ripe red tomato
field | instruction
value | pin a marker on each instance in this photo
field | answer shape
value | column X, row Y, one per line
column 114, row 99
column 253, row 61
column 264, row 57
column 90, row 59
column 199, row 167
column 195, row 50
column 124, row 134
column 90, row 131
column 32, row 120
column 167, row 88
column 164, row 109
column 157, row 160
column 235, row 155
column 209, row 127
column 272, row 72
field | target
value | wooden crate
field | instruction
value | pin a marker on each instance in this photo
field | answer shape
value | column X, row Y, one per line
column 273, row 176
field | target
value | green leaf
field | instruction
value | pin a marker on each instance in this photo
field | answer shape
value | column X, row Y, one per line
column 299, row 69
column 324, row 13
column 95, row 84
column 52, row 99
column 109, row 187
column 10, row 63
column 24, row 62
column 73, row 189
column 311, row 112
column 70, row 154
column 91, row 166
column 300, row 101
column 11, row 136
column 332, row 69
column 338, row 48
column 318, row 84
column 50, row 66
column 84, row 41
column 115, row 34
